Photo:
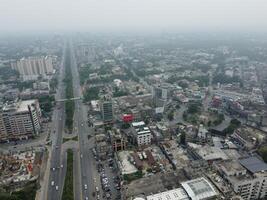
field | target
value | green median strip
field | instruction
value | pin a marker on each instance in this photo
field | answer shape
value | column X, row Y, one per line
column 75, row 138
column 68, row 183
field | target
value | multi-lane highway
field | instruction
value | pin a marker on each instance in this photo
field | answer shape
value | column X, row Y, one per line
column 86, row 167
column 57, row 162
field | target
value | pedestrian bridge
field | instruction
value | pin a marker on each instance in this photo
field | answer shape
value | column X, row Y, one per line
column 72, row 99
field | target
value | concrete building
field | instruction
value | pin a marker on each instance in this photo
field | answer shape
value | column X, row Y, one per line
column 20, row 120
column 247, row 177
column 141, row 133
column 195, row 189
column 160, row 95
column 199, row 189
column 32, row 67
column 118, row 142
column 107, row 111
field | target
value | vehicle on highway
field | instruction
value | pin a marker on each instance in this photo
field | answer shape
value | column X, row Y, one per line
column 85, row 187
column 61, row 166
column 52, row 183
column 86, row 198
column 56, row 187
column 53, row 168
column 57, row 147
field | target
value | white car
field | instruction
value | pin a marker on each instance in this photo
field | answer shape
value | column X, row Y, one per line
column 85, row 187
column 61, row 166
column 52, row 183
column 56, row 187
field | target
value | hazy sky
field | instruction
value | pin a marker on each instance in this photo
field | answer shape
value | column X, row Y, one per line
column 132, row 14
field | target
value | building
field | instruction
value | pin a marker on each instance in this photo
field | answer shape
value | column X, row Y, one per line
column 141, row 133
column 160, row 95
column 107, row 111
column 32, row 67
column 199, row 189
column 175, row 194
column 247, row 177
column 20, row 120
column 195, row 189
column 118, row 142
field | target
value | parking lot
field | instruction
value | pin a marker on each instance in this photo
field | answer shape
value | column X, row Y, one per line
column 108, row 182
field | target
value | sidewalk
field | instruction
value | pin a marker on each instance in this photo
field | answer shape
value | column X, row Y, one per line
column 41, row 194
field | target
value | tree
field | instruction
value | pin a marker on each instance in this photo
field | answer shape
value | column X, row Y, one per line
column 263, row 153
column 170, row 116
column 193, row 109
column 183, row 138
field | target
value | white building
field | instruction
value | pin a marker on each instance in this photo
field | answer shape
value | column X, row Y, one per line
column 196, row 189
column 20, row 120
column 142, row 133
column 32, row 67
column 247, row 177
column 199, row 189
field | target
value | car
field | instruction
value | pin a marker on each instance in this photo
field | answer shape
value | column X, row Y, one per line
column 85, row 187
column 52, row 183
column 56, row 187
column 81, row 155
column 86, row 198
column 53, row 168
column 61, row 166
column 57, row 146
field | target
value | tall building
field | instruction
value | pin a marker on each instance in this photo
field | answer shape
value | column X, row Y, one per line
column 159, row 95
column 107, row 111
column 20, row 120
column 141, row 133
column 32, row 67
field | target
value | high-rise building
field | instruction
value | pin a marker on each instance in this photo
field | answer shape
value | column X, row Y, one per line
column 20, row 120
column 32, row 67
column 107, row 111
column 141, row 133
column 160, row 95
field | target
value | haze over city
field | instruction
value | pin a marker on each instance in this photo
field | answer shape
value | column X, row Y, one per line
column 91, row 15
column 133, row 100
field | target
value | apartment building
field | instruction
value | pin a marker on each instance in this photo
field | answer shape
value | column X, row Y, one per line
column 20, row 120
column 107, row 111
column 247, row 177
column 142, row 133
column 32, row 67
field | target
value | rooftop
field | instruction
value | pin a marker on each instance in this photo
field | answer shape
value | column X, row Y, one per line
column 253, row 164
column 175, row 194
column 198, row 189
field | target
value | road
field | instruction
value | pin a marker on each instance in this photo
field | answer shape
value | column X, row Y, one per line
column 57, row 173
column 84, row 161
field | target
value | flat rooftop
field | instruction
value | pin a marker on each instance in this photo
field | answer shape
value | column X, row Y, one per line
column 253, row 164
column 21, row 106
column 175, row 194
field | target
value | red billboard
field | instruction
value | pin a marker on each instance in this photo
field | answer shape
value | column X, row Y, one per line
column 127, row 118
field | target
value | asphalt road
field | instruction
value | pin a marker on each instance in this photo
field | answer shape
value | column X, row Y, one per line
column 57, row 172
column 84, row 161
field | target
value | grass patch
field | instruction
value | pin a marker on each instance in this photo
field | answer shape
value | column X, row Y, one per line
column 27, row 193
column 131, row 177
column 68, row 183
column 69, row 104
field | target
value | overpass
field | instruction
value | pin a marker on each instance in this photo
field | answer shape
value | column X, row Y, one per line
column 72, row 99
